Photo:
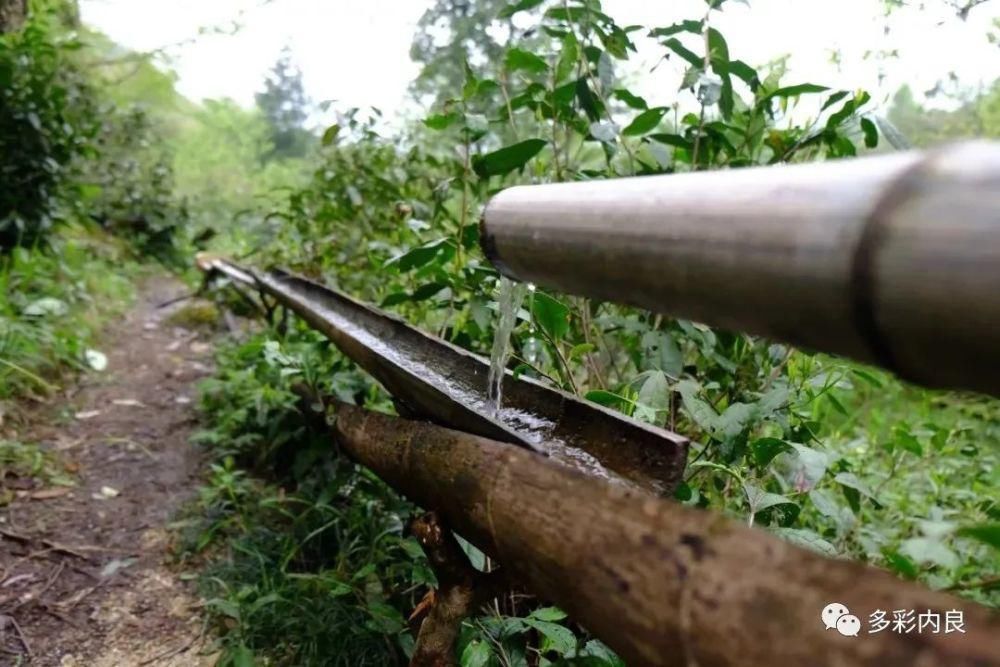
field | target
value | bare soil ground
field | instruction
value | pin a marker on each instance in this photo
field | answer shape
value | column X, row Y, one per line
column 84, row 571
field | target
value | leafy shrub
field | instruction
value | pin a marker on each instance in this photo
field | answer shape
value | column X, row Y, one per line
column 46, row 122
column 318, row 575
column 52, row 304
column 130, row 189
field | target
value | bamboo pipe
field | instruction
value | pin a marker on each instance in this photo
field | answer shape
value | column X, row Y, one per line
column 892, row 260
column 660, row 583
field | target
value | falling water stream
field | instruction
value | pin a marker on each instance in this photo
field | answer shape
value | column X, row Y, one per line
column 509, row 301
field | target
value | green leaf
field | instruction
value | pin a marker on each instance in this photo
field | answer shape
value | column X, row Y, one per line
column 675, row 140
column 928, row 550
column 719, row 58
column 519, row 59
column 834, row 98
column 807, row 539
column 765, row 449
column 548, row 614
column 557, row 638
column 795, row 91
column 427, row 291
column 661, row 353
column 905, row 440
column 654, row 395
column 871, row 132
column 608, row 399
column 646, row 121
column 900, row 564
column 616, row 42
column 580, row 350
column 239, row 656
column 330, row 135
column 476, row 654
column 691, row 26
column 442, row 120
column 551, row 315
column 419, row 256
column 633, row 101
column 521, row 6
column 701, row 412
column 747, row 74
column 225, row 607
column 772, row 401
column 588, row 101
column 569, row 56
column 988, row 533
column 507, row 159
column 758, row 499
column 394, row 299
column 868, row 377
column 827, row 505
column 851, row 481
column 675, row 45
column 734, row 419
column 847, row 110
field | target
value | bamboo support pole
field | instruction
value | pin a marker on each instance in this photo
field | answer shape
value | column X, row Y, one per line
column 893, row 260
column 660, row 583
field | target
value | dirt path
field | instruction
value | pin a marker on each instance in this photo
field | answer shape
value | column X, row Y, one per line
column 84, row 578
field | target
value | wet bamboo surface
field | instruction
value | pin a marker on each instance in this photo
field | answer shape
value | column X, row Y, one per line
column 435, row 380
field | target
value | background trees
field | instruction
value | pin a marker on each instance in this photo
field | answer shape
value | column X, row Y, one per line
column 284, row 104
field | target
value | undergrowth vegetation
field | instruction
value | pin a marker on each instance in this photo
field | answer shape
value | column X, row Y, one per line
column 53, row 303
column 831, row 455
column 87, row 196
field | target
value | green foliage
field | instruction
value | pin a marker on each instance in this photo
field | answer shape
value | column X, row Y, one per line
column 28, row 460
column 52, row 303
column 319, row 571
column 46, row 121
column 451, row 35
column 219, row 160
column 130, row 190
column 977, row 116
column 68, row 151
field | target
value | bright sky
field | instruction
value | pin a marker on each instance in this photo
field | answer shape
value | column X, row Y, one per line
column 357, row 51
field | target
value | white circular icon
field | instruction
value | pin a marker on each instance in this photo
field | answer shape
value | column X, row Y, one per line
column 849, row 625
column 832, row 612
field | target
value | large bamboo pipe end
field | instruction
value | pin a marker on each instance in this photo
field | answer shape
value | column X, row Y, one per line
column 892, row 259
